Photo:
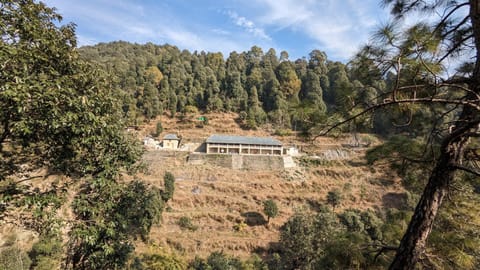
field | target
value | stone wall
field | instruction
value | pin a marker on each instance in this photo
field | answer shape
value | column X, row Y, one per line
column 263, row 162
column 248, row 162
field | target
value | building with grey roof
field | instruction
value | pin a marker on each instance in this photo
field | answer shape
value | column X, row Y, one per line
column 227, row 144
column 171, row 141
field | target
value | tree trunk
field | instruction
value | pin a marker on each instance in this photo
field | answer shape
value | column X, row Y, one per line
column 414, row 240
column 413, row 243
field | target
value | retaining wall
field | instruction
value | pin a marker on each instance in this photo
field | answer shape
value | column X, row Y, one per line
column 249, row 162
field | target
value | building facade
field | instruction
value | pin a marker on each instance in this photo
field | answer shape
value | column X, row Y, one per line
column 171, row 141
column 242, row 145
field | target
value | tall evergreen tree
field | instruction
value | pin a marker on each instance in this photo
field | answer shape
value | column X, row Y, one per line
column 414, row 57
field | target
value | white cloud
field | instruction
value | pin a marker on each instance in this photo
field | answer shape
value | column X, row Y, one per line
column 338, row 27
column 123, row 20
column 248, row 25
column 85, row 41
column 220, row 32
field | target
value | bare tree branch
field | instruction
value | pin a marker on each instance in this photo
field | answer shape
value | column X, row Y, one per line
column 450, row 13
column 466, row 169
column 474, row 104
column 454, row 48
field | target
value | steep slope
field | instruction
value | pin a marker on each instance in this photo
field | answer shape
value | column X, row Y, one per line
column 225, row 205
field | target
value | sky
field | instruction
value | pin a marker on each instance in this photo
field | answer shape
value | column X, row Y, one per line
column 337, row 27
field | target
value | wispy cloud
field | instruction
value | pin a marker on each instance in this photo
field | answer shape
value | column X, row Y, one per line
column 338, row 27
column 85, row 41
column 221, row 32
column 248, row 25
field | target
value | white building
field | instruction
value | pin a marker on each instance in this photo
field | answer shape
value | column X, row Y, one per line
column 226, row 144
column 171, row 141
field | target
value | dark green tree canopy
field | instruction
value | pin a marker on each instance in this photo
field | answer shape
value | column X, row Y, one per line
column 414, row 62
column 54, row 105
column 60, row 113
column 270, row 209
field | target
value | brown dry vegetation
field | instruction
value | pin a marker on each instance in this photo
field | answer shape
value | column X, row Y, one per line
column 217, row 199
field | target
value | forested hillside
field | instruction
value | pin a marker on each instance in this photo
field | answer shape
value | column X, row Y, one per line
column 260, row 86
column 309, row 95
column 78, row 192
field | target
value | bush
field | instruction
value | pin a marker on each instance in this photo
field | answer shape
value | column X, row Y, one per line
column 282, row 132
column 242, row 115
column 158, row 260
column 334, row 197
column 270, row 209
column 186, row 223
column 352, row 220
column 46, row 254
column 240, row 226
column 303, row 239
column 158, row 129
column 14, row 258
column 191, row 109
column 220, row 261
column 169, row 184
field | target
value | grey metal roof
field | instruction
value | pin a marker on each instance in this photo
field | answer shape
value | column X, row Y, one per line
column 242, row 140
column 171, row 137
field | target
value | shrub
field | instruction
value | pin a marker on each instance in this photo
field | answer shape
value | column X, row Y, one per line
column 186, row 223
column 14, row 258
column 282, row 132
column 240, row 226
column 158, row 129
column 46, row 254
column 157, row 260
column 352, row 220
column 191, row 109
column 270, row 209
column 334, row 197
column 169, row 184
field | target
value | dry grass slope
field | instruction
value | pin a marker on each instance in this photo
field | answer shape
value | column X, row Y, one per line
column 217, row 199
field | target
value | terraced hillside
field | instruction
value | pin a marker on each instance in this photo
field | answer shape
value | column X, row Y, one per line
column 224, row 207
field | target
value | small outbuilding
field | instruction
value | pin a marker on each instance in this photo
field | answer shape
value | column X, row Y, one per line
column 226, row 144
column 171, row 141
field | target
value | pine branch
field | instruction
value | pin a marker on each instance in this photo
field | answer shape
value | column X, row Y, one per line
column 474, row 104
column 455, row 47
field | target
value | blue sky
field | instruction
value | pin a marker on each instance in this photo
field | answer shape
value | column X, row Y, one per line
column 338, row 27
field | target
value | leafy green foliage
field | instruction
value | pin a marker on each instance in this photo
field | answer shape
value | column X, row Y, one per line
column 186, row 223
column 157, row 259
column 254, row 82
column 365, row 222
column 352, row 220
column 62, row 113
column 12, row 257
column 270, row 209
column 334, row 197
column 216, row 261
column 53, row 104
column 113, row 216
column 303, row 239
column 158, row 129
column 350, row 240
column 346, row 252
column 47, row 252
column 169, row 186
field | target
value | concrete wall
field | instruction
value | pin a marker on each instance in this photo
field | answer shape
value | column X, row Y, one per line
column 263, row 162
column 249, row 162
column 170, row 144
